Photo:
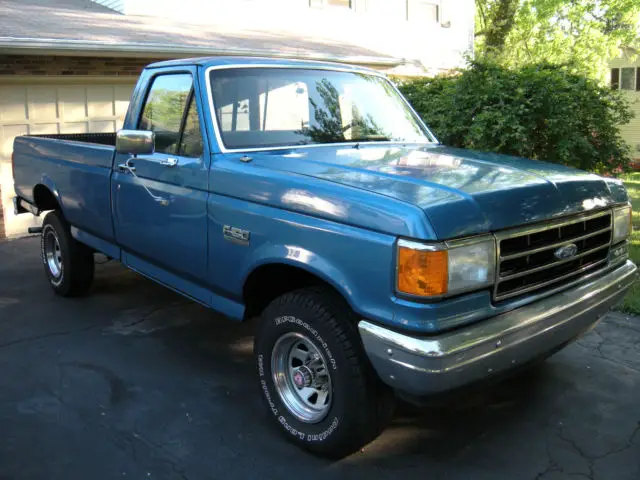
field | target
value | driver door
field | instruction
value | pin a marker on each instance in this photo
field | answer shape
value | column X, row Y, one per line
column 160, row 203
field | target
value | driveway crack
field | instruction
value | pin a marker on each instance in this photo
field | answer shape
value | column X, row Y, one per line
column 47, row 335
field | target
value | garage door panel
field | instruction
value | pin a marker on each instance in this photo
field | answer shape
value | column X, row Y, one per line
column 100, row 101
column 74, row 127
column 105, row 126
column 43, row 129
column 72, row 103
column 42, row 103
column 13, row 104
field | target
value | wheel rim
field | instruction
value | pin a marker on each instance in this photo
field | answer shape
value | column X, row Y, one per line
column 301, row 377
column 52, row 253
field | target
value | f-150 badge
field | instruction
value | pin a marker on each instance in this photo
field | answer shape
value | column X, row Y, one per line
column 236, row 235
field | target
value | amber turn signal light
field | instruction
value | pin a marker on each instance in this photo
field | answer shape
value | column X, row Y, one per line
column 422, row 272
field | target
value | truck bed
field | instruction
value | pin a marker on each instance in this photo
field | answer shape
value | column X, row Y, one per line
column 76, row 169
column 99, row 138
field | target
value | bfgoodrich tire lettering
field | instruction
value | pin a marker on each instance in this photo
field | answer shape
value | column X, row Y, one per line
column 68, row 264
column 359, row 405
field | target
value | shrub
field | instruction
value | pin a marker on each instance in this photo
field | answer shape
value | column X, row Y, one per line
column 539, row 111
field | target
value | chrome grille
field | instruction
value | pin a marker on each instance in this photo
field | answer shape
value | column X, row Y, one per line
column 527, row 258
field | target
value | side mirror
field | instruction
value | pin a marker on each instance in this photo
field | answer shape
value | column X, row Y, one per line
column 135, row 142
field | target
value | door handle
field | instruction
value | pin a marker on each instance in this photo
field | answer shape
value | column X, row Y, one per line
column 169, row 162
column 127, row 167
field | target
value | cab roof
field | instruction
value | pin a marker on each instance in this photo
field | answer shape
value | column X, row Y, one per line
column 255, row 61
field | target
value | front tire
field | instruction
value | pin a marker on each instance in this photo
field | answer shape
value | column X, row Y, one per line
column 68, row 264
column 316, row 380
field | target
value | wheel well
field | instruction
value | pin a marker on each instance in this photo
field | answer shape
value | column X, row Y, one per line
column 44, row 199
column 268, row 282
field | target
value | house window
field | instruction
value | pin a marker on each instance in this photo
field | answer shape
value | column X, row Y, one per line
column 627, row 79
column 423, row 11
column 615, row 78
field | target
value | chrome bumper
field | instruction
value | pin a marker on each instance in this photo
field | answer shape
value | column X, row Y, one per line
column 426, row 365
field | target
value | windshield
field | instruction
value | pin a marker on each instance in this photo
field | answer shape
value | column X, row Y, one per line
column 271, row 107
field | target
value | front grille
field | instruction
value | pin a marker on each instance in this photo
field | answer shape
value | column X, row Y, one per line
column 527, row 258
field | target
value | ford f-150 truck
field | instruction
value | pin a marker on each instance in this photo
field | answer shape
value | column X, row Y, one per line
column 311, row 195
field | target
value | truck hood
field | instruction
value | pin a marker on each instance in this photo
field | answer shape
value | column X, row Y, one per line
column 462, row 192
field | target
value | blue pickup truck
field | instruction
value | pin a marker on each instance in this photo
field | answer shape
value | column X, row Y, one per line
column 380, row 262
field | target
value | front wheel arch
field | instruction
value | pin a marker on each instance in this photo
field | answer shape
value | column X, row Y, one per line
column 271, row 280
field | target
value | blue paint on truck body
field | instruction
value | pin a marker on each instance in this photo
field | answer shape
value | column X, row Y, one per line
column 335, row 211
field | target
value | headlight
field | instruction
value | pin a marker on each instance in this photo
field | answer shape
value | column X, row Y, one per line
column 433, row 270
column 621, row 223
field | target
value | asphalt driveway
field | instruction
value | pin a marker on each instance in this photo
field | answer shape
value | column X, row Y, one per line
column 135, row 382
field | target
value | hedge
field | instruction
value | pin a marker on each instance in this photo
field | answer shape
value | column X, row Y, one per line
column 539, row 111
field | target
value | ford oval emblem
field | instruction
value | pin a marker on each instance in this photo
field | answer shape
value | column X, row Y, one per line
column 566, row 251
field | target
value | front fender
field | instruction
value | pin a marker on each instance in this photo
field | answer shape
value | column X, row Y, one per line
column 357, row 262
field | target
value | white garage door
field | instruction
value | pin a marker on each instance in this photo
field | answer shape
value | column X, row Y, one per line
column 52, row 108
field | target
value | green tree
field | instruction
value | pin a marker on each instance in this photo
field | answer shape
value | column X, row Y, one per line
column 583, row 34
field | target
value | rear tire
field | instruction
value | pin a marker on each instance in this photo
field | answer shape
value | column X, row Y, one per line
column 68, row 263
column 307, row 341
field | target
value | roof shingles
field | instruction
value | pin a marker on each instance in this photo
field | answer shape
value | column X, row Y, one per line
column 82, row 25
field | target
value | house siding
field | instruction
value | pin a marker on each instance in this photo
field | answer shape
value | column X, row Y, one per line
column 631, row 131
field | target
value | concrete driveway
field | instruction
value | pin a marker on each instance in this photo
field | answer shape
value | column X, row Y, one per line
column 135, row 382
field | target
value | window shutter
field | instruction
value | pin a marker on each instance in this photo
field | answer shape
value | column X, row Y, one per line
column 615, row 78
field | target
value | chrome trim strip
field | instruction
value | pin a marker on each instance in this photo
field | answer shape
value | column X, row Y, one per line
column 554, row 245
column 551, row 265
column 310, row 66
column 538, row 286
column 423, row 247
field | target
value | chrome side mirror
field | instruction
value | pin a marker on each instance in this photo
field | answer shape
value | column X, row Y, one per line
column 135, row 142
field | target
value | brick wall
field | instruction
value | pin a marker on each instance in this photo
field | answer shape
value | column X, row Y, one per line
column 68, row 66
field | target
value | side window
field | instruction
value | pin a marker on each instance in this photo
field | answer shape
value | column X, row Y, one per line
column 191, row 143
column 627, row 79
column 164, row 110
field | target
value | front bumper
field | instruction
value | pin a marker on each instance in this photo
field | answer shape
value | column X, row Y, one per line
column 428, row 365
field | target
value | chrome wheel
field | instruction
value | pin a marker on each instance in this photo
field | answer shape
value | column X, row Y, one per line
column 52, row 253
column 301, row 377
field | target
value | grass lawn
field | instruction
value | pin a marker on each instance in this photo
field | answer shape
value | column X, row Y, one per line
column 631, row 302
